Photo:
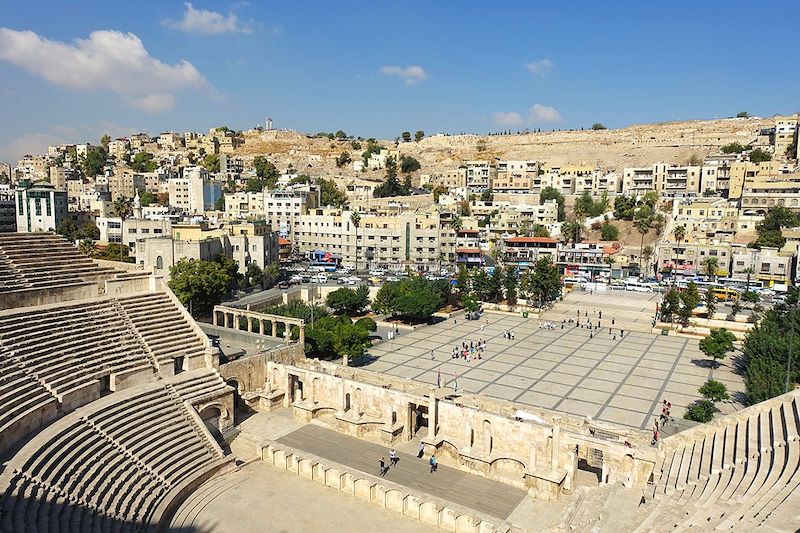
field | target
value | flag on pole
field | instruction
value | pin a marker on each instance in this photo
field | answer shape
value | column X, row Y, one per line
column 455, row 381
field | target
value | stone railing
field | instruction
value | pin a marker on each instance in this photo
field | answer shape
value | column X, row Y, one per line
column 416, row 505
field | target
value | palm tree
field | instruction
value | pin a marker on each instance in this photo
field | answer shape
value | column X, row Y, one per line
column 610, row 260
column 123, row 208
column 749, row 271
column 710, row 265
column 643, row 227
column 86, row 247
column 355, row 218
column 571, row 231
column 456, row 223
column 647, row 254
column 679, row 232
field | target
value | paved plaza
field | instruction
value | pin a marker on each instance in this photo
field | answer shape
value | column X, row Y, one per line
column 609, row 377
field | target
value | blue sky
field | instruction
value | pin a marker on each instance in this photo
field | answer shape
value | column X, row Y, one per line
column 72, row 71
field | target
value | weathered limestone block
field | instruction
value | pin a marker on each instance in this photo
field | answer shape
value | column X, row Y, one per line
column 306, row 468
column 378, row 494
column 333, row 478
column 465, row 524
column 293, row 464
column 429, row 513
column 394, row 500
column 411, row 506
column 348, row 483
column 363, row 489
column 447, row 519
column 318, row 473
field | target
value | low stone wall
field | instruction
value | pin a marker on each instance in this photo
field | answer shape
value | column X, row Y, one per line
column 50, row 295
column 416, row 505
column 251, row 372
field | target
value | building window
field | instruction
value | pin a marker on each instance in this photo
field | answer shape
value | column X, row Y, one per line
column 159, row 263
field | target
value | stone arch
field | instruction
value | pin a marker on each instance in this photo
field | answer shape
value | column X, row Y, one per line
column 507, row 468
column 237, row 391
column 159, row 263
column 487, row 437
column 211, row 415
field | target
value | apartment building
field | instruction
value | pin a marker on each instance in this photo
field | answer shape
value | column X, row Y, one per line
column 761, row 193
column 524, row 252
column 228, row 141
column 588, row 258
column 282, row 209
column 195, row 192
column 170, row 140
column 563, row 183
column 767, row 265
column 716, row 173
column 479, row 175
column 514, row 176
column 687, row 258
column 786, row 135
column 247, row 243
column 39, row 207
column 231, row 166
column 666, row 180
column 377, row 160
column 419, row 241
column 124, row 182
column 596, row 183
column 8, row 211
column 706, row 218
column 33, row 168
column 451, row 179
column 119, row 148
column 742, row 172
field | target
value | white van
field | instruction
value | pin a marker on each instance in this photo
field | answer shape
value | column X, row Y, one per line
column 638, row 286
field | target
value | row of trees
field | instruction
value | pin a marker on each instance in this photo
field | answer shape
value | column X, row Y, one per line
column 415, row 299
column 541, row 284
column 418, row 136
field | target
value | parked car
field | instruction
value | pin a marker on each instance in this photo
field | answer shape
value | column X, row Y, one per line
column 342, row 281
column 284, row 285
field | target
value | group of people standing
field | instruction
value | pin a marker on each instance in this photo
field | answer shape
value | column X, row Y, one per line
column 591, row 326
column 468, row 351
column 664, row 417
column 394, row 459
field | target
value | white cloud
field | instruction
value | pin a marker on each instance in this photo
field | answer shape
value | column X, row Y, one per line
column 544, row 113
column 109, row 60
column 410, row 74
column 31, row 143
column 208, row 22
column 502, row 118
column 540, row 67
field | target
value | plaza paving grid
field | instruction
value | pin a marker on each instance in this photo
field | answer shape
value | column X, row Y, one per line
column 470, row 490
column 620, row 380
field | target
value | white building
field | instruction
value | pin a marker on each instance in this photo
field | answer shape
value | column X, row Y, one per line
column 195, row 192
column 40, row 207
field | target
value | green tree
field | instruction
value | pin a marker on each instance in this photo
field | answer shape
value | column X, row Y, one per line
column 714, row 391
column 487, row 196
column 391, row 186
column 113, row 252
column 572, row 231
column 123, row 208
column 409, row 164
column 759, row 156
column 711, row 304
column 203, row 283
column 690, row 299
column 717, row 344
column 330, row 194
column 355, row 218
column 733, row 148
column 146, row 198
column 642, row 224
column 343, row 159
column 348, row 301
column 219, row 203
column 769, row 230
column 418, row 305
column 231, row 266
column 542, row 282
column 598, row 126
column 742, row 114
column 88, row 230
column 671, row 305
column 211, row 162
column 700, row 411
column 418, row 135
column 791, row 150
column 94, row 161
column 67, row 229
column 86, row 247
column 366, row 323
column 510, row 284
column 609, row 232
column 551, row 193
column 710, row 266
column 104, row 140
column 143, row 162
column 255, row 275
column 438, row 191
column 406, row 135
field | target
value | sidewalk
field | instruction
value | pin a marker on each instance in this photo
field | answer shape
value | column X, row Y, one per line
column 470, row 490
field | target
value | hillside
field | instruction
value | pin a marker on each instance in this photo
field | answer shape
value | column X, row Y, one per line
column 672, row 142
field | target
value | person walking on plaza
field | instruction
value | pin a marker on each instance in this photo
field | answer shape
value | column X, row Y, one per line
column 432, row 356
column 392, row 457
column 421, row 450
column 383, row 468
column 432, row 462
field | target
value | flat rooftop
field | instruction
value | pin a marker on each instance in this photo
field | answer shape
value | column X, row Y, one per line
column 608, row 377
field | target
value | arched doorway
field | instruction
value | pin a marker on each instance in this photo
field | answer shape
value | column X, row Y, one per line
column 237, row 398
column 210, row 417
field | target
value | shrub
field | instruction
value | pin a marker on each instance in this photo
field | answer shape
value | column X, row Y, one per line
column 714, row 391
column 700, row 411
column 366, row 323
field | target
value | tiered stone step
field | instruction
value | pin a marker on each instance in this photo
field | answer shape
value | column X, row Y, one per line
column 731, row 474
column 65, row 346
column 163, row 327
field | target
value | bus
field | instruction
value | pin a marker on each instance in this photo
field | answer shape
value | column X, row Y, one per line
column 725, row 293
